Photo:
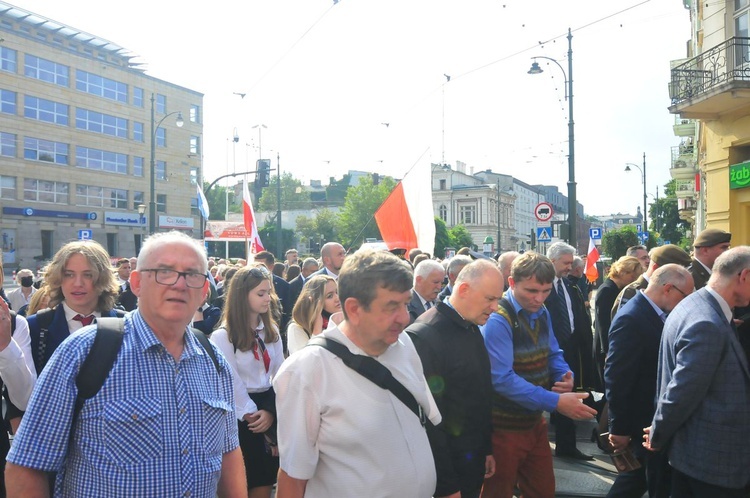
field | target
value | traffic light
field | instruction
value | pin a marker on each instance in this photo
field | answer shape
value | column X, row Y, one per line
column 263, row 167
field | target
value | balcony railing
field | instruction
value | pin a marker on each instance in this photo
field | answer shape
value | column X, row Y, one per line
column 683, row 156
column 725, row 63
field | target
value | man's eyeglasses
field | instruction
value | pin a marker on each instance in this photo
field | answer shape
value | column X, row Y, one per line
column 164, row 276
column 678, row 290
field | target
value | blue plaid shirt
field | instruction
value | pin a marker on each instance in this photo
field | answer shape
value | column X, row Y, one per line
column 158, row 427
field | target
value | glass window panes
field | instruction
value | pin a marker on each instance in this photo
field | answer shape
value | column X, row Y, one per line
column 161, row 203
column 161, row 137
column 195, row 114
column 44, row 70
column 138, row 198
column 137, row 131
column 45, row 110
column 36, row 149
column 137, row 96
column 101, row 160
column 161, row 103
column 137, row 166
column 194, row 145
column 161, row 170
column 45, row 191
column 7, row 144
column 94, row 196
column 467, row 215
column 103, row 87
column 8, row 102
column 7, row 187
column 8, row 59
column 101, row 123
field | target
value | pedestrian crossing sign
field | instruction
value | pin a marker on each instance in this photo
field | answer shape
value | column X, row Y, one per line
column 544, row 234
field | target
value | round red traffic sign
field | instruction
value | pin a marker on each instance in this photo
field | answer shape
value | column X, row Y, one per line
column 543, row 211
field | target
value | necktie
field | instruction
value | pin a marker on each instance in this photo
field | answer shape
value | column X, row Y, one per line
column 427, row 305
column 85, row 320
column 260, row 345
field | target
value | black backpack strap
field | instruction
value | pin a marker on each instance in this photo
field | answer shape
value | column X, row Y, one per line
column 98, row 363
column 373, row 371
column 43, row 320
column 207, row 346
column 12, row 322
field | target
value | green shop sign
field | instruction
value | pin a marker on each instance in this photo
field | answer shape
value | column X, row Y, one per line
column 739, row 175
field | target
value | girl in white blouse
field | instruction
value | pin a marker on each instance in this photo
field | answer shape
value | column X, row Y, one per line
column 311, row 315
column 249, row 340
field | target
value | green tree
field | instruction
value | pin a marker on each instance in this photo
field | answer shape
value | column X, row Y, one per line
column 615, row 243
column 322, row 226
column 671, row 226
column 356, row 222
column 268, row 236
column 216, row 198
column 336, row 190
column 460, row 237
column 293, row 196
column 442, row 237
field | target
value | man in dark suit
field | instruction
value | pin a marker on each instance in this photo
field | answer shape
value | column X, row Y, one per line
column 630, row 378
column 455, row 265
column 428, row 280
column 309, row 266
column 571, row 325
column 703, row 410
column 281, row 287
column 708, row 245
column 332, row 255
column 452, row 351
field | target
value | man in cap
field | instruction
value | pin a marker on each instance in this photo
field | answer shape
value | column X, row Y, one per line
column 709, row 245
column 660, row 256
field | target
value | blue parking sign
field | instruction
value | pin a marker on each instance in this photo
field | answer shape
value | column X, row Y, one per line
column 85, row 234
column 595, row 233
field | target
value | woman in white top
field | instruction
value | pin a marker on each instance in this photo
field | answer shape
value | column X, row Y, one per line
column 311, row 315
column 249, row 340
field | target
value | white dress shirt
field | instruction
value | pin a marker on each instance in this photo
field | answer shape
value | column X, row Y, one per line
column 17, row 365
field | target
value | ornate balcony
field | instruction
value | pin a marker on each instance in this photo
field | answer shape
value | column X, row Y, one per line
column 715, row 82
column 684, row 163
column 684, row 127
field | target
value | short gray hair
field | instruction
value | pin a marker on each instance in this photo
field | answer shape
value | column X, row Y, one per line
column 158, row 240
column 559, row 249
column 634, row 249
column 456, row 264
column 577, row 263
column 426, row 267
column 732, row 262
column 308, row 262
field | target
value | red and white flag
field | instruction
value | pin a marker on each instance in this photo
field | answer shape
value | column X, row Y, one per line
column 406, row 219
column 593, row 256
column 251, row 226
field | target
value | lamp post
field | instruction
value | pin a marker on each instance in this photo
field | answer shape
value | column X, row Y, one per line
column 643, row 173
column 155, row 126
column 572, row 213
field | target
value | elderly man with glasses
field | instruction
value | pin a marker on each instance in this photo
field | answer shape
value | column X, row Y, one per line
column 162, row 424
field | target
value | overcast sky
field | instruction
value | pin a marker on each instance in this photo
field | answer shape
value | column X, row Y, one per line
column 323, row 77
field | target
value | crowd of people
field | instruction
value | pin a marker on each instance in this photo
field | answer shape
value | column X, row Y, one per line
column 175, row 374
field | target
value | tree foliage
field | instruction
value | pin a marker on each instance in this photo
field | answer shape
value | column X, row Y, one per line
column 671, row 226
column 615, row 243
column 356, row 222
column 293, row 196
column 442, row 237
column 460, row 237
column 216, row 198
column 268, row 236
column 320, row 227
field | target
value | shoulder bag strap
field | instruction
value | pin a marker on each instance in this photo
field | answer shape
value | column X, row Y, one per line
column 373, row 371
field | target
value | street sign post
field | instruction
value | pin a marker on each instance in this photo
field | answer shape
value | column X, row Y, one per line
column 595, row 233
column 544, row 234
column 85, row 234
column 543, row 211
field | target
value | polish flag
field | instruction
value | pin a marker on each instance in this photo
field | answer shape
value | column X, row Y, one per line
column 251, row 227
column 406, row 219
column 593, row 256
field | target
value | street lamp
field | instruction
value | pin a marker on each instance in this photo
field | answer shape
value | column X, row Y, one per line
column 141, row 211
column 535, row 69
column 155, row 126
column 643, row 172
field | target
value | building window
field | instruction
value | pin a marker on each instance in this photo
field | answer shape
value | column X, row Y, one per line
column 137, row 166
column 195, row 114
column 161, row 137
column 7, row 187
column 8, row 102
column 443, row 211
column 137, row 96
column 194, row 206
column 468, row 215
column 7, row 144
column 45, row 191
column 8, row 58
column 36, row 149
column 102, row 87
column 193, row 175
column 137, row 131
column 93, row 196
column 45, row 110
column 161, row 170
column 161, row 103
column 194, row 145
column 101, row 160
column 161, row 203
column 442, row 184
column 101, row 123
column 138, row 199
column 44, row 70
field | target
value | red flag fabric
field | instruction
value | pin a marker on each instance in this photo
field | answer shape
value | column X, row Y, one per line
column 592, row 273
column 251, row 225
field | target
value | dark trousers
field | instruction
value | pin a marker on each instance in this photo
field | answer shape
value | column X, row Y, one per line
column 654, row 476
column 684, row 486
column 565, row 433
column 469, row 467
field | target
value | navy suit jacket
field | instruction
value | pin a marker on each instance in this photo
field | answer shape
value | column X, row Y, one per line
column 415, row 307
column 295, row 289
column 281, row 287
column 703, row 409
column 631, row 366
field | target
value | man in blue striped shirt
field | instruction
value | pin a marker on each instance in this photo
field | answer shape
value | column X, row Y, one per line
column 162, row 423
